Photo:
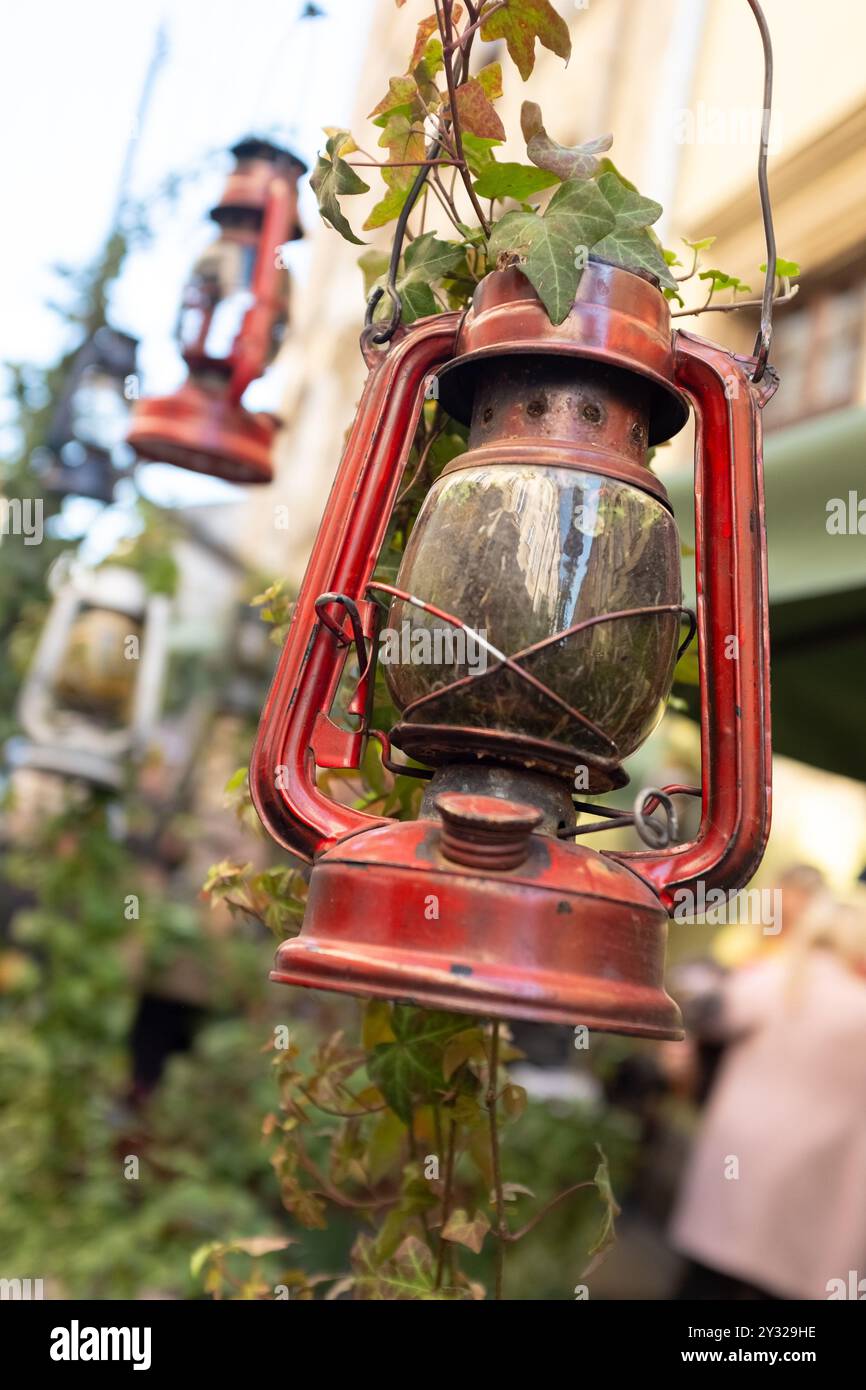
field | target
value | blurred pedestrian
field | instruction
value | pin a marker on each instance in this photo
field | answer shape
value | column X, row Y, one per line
column 774, row 1198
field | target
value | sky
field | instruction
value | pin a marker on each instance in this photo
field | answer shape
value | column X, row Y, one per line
column 71, row 76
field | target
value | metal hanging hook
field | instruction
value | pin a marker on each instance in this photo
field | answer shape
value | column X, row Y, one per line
column 765, row 332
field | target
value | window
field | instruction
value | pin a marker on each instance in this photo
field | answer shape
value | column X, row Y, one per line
column 817, row 350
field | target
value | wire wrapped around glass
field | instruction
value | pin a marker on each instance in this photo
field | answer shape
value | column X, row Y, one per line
column 574, row 576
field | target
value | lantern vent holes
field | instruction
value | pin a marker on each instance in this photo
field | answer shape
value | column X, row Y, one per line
column 592, row 413
column 536, row 407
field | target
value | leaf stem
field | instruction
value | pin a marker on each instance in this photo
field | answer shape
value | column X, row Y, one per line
column 444, row 10
column 548, row 1206
column 398, row 164
column 789, row 292
column 447, row 1197
column 501, row 1227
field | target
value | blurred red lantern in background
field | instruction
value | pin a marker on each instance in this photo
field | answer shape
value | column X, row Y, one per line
column 233, row 314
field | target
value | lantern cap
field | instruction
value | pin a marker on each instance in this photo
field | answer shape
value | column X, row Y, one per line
column 619, row 318
column 257, row 163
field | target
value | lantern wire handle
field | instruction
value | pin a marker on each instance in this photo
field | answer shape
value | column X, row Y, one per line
column 765, row 333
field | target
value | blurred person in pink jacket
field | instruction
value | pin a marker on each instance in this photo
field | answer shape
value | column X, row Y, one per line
column 773, row 1203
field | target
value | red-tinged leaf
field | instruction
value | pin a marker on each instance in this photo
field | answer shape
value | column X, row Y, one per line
column 402, row 92
column 426, row 29
column 520, row 24
column 566, row 161
column 462, row 1231
column 476, row 112
column 404, row 141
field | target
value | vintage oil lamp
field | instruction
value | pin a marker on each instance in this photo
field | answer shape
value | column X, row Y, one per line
column 550, row 545
column 90, row 701
column 234, row 312
column 85, row 451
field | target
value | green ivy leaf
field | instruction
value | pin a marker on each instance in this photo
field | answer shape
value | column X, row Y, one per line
column 566, row 161
column 519, row 181
column 577, row 216
column 373, row 265
column 607, row 166
column 520, row 24
column 722, row 281
column 784, row 269
column 333, row 177
column 633, row 212
column 601, row 1178
column 386, row 209
column 490, row 79
column 425, row 261
column 703, row 245
column 466, row 1046
column 477, row 152
column 636, row 250
column 410, row 1068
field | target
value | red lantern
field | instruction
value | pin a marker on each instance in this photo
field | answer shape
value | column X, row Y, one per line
column 551, row 546
column 234, row 310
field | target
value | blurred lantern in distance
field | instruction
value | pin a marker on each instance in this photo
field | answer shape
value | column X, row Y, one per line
column 231, row 322
column 91, row 699
column 86, row 451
